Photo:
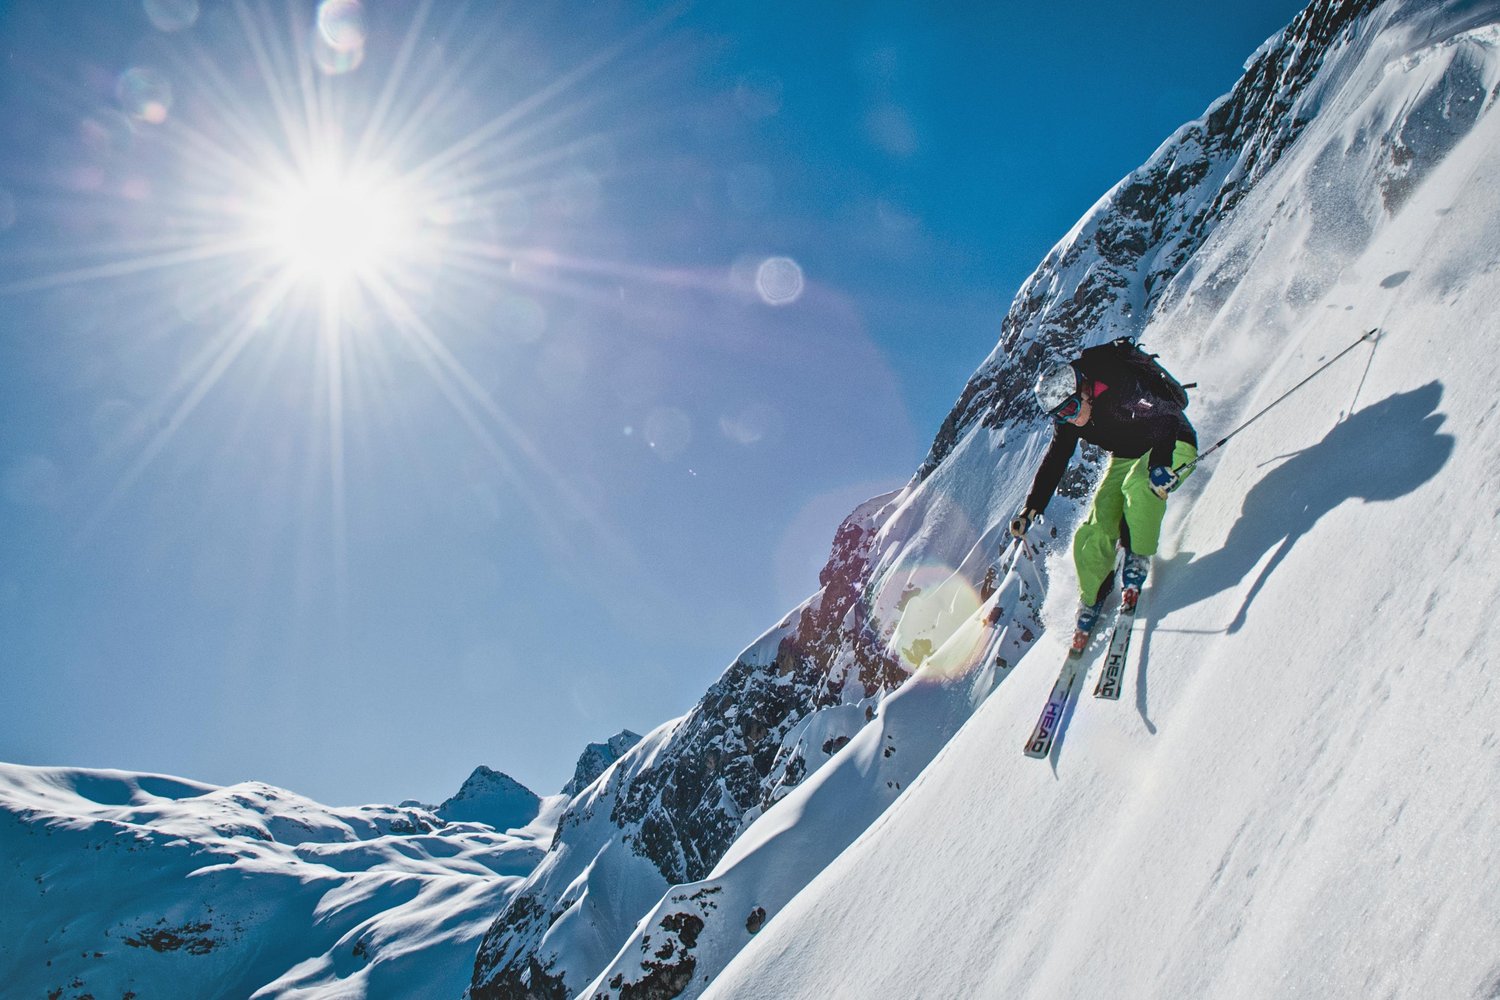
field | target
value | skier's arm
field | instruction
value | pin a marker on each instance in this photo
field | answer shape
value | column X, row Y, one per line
column 1054, row 464
column 1166, row 431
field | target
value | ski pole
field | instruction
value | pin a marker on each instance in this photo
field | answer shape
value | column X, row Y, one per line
column 1025, row 552
column 1189, row 466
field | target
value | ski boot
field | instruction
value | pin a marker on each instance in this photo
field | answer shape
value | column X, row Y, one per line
column 1088, row 617
column 1132, row 579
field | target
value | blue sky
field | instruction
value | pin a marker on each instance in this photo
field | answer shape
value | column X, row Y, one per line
column 384, row 392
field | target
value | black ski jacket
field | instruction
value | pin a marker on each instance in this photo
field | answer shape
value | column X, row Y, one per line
column 1128, row 421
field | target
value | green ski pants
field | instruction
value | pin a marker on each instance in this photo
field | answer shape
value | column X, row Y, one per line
column 1124, row 495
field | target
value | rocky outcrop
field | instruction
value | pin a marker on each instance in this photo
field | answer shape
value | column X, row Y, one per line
column 722, row 765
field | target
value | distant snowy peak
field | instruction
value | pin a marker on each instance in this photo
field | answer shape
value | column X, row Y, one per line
column 1105, row 278
column 597, row 758
column 493, row 798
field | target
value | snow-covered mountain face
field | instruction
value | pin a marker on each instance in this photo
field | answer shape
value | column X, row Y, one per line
column 597, row 758
column 1108, row 276
column 124, row 884
column 667, row 812
column 1295, row 797
column 1349, row 181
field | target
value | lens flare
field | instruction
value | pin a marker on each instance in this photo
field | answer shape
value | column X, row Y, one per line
column 171, row 15
column 342, row 24
column 145, row 94
column 779, row 281
column 931, row 609
column 339, row 39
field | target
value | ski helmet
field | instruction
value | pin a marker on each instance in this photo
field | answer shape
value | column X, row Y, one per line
column 1055, row 385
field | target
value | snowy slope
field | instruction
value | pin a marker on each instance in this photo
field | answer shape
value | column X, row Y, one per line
column 122, row 884
column 1294, row 796
column 668, row 809
column 705, row 806
column 938, row 543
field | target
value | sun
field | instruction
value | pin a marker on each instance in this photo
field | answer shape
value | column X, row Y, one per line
column 344, row 197
column 334, row 226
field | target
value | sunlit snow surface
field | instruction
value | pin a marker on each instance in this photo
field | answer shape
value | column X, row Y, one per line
column 120, row 884
column 1295, row 795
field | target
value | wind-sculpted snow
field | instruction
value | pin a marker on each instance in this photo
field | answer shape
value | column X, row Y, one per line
column 119, row 884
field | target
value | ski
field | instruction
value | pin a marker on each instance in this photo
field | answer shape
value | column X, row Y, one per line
column 1039, row 745
column 1112, row 677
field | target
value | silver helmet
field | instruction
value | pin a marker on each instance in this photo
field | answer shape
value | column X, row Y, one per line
column 1055, row 385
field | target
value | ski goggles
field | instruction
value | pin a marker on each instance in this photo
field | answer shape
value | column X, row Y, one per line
column 1069, row 409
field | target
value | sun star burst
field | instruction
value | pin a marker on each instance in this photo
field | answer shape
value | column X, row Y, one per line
column 333, row 226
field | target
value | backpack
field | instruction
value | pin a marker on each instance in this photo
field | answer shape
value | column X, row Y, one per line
column 1124, row 354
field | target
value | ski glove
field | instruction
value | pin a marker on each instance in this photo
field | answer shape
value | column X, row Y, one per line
column 1021, row 523
column 1163, row 480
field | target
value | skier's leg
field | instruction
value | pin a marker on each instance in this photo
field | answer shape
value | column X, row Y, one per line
column 1094, row 542
column 1144, row 510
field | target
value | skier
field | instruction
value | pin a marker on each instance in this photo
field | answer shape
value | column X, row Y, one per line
column 1117, row 398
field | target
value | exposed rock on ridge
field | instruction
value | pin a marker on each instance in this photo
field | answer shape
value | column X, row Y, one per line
column 1105, row 278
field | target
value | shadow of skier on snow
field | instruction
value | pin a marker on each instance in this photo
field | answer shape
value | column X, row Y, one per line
column 1379, row 453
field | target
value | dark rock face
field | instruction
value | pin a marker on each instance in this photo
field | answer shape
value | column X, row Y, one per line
column 719, row 765
column 190, row 937
column 513, row 975
column 1153, row 222
column 669, row 968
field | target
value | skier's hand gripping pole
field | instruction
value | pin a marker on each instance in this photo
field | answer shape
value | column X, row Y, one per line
column 1022, row 522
